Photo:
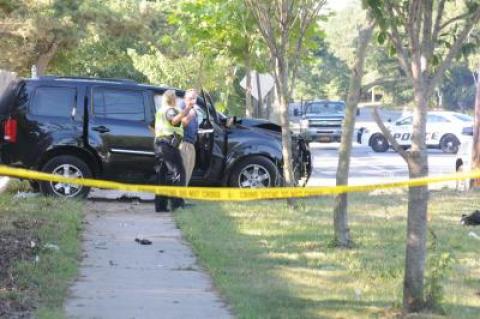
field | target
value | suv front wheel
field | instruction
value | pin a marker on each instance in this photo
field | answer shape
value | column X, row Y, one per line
column 67, row 166
column 254, row 172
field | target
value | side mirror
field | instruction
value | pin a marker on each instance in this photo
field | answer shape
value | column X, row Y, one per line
column 390, row 121
column 358, row 112
column 296, row 112
column 468, row 131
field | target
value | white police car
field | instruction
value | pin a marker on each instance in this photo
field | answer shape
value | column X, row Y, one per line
column 444, row 130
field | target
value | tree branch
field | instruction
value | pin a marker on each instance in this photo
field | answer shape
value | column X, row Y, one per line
column 450, row 21
column 260, row 15
column 396, row 39
column 438, row 20
column 453, row 51
column 368, row 86
column 306, row 22
column 386, row 132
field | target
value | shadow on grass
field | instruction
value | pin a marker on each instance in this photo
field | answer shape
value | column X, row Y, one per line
column 271, row 262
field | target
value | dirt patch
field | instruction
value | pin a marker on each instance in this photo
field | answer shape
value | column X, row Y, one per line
column 16, row 244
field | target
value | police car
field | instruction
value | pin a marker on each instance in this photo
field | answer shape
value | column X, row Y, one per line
column 444, row 130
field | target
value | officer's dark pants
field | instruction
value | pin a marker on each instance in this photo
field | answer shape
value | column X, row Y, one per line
column 170, row 171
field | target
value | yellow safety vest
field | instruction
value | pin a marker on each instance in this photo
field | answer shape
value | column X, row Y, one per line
column 163, row 127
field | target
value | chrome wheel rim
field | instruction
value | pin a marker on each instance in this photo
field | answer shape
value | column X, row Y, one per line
column 254, row 176
column 63, row 189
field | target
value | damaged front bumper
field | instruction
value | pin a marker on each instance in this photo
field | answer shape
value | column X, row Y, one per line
column 302, row 161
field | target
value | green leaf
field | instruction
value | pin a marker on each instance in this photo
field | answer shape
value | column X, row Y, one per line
column 381, row 37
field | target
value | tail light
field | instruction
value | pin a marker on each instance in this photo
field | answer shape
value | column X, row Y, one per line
column 10, row 131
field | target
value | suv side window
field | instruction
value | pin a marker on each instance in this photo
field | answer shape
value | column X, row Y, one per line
column 53, row 101
column 119, row 104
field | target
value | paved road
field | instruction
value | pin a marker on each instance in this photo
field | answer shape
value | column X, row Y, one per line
column 120, row 278
column 369, row 167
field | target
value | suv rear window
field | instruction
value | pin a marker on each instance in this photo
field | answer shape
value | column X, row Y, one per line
column 53, row 101
column 119, row 104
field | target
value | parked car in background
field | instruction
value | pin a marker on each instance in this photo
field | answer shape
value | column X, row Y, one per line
column 444, row 130
column 321, row 120
column 89, row 127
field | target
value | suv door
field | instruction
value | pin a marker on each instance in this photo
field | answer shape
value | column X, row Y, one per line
column 118, row 129
column 211, row 143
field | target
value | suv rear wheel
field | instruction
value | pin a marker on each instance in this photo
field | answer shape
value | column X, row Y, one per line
column 254, row 172
column 67, row 166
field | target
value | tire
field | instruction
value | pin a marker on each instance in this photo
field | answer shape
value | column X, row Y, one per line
column 66, row 165
column 449, row 143
column 379, row 143
column 254, row 172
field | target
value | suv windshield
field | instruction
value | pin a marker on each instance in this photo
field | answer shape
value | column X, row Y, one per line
column 325, row 108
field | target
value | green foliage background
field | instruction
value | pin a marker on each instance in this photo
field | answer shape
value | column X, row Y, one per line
column 208, row 44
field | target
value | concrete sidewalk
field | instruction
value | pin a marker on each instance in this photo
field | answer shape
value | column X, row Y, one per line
column 119, row 278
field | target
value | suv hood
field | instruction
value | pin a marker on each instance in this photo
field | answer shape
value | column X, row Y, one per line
column 260, row 123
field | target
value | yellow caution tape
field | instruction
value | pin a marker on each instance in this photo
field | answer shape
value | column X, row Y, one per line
column 233, row 194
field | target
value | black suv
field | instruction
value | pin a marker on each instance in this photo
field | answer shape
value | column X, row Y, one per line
column 86, row 127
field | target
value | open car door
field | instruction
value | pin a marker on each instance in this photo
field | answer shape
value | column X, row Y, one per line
column 211, row 142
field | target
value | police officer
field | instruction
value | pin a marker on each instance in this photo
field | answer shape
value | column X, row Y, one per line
column 168, row 135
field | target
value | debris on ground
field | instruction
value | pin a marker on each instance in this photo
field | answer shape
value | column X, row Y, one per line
column 143, row 241
column 471, row 220
column 474, row 235
column 23, row 195
column 52, row 247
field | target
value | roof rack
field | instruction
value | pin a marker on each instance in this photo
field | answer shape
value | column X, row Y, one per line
column 82, row 78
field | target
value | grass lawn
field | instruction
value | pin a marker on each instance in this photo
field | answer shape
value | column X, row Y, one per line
column 39, row 253
column 271, row 262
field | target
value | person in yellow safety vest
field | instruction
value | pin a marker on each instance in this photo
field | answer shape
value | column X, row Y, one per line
column 168, row 161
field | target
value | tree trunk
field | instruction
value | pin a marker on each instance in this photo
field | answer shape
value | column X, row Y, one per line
column 281, row 80
column 340, row 215
column 44, row 58
column 476, row 134
column 416, row 252
column 268, row 105
column 248, row 90
column 200, row 75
